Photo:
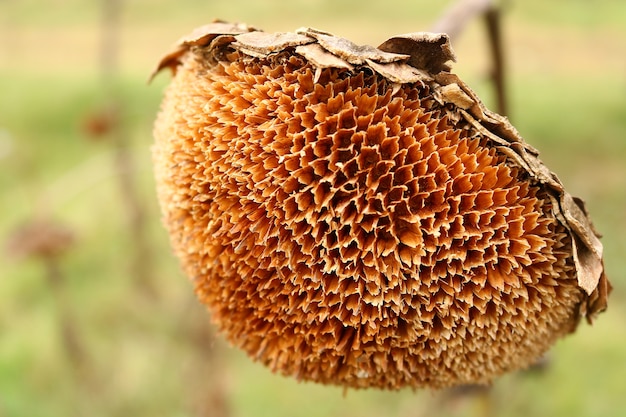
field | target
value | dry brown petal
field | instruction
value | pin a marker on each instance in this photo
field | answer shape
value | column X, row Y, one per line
column 356, row 216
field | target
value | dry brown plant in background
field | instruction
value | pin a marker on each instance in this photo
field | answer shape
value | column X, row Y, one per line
column 355, row 216
column 108, row 121
column 47, row 241
column 207, row 364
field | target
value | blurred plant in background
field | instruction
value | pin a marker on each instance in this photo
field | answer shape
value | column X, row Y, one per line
column 95, row 316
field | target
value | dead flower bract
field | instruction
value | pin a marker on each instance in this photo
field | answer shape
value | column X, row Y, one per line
column 355, row 216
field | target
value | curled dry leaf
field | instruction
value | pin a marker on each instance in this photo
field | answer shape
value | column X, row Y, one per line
column 355, row 216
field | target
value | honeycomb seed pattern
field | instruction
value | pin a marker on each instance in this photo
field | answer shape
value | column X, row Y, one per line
column 347, row 230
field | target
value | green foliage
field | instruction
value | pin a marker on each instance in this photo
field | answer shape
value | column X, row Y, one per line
column 148, row 355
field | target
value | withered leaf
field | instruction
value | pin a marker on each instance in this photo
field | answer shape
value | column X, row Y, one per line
column 264, row 43
column 427, row 51
column 399, row 72
column 200, row 36
column 453, row 94
column 204, row 34
column 351, row 52
column 321, row 58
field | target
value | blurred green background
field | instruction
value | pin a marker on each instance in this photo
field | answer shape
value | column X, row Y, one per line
column 95, row 317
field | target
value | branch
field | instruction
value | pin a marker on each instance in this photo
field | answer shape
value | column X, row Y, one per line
column 457, row 17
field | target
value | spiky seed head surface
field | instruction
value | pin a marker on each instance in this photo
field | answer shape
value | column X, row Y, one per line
column 354, row 215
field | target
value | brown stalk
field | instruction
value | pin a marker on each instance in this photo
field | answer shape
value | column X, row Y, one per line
column 209, row 398
column 47, row 242
column 72, row 342
column 125, row 165
column 492, row 18
column 459, row 15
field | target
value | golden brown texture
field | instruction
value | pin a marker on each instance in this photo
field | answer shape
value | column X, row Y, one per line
column 355, row 216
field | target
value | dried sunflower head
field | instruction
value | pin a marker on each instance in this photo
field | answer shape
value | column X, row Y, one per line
column 354, row 215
